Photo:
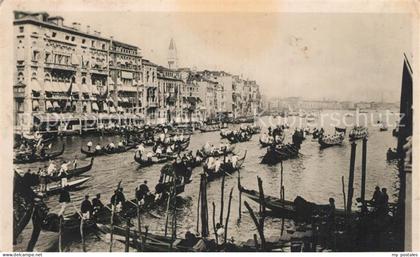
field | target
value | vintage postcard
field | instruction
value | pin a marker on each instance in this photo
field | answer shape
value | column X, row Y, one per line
column 203, row 126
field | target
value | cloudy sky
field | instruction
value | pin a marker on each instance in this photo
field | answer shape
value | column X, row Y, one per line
column 316, row 56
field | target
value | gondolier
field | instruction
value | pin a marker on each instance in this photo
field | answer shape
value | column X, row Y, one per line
column 64, row 200
column 86, row 208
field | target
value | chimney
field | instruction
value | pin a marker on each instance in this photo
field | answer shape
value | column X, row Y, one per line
column 87, row 29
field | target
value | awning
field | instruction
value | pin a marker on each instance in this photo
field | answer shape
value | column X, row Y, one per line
column 112, row 109
column 120, row 109
column 126, row 75
column 48, row 105
column 105, row 106
column 68, row 104
column 35, row 86
column 128, row 89
column 111, row 82
column 95, row 106
column 56, row 105
column 84, row 88
column 119, row 99
column 63, row 87
column 35, row 104
column 84, row 103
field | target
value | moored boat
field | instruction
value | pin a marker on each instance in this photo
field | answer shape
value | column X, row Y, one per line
column 31, row 158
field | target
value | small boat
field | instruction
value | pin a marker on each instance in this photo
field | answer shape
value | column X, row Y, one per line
column 212, row 174
column 71, row 185
column 206, row 129
column 217, row 152
column 105, row 151
column 271, row 141
column 299, row 209
column 29, row 158
column 233, row 139
column 383, row 127
column 325, row 142
column 276, row 154
column 73, row 172
column 358, row 132
column 392, row 155
column 151, row 161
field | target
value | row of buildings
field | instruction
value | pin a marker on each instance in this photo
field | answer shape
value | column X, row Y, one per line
column 76, row 73
column 298, row 103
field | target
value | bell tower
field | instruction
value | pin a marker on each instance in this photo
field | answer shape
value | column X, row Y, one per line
column 172, row 55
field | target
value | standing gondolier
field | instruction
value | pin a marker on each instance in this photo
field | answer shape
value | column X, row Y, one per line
column 64, row 200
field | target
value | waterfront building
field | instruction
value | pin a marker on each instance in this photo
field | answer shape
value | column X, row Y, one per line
column 170, row 85
column 153, row 100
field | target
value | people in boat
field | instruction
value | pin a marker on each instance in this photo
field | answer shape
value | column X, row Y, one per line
column 64, row 199
column 75, row 162
column 141, row 192
column 120, row 144
column 98, row 148
column 159, row 190
column 118, row 199
column 97, row 205
column 43, row 180
column 181, row 137
column 376, row 197
column 159, row 150
column 89, row 145
column 51, row 168
column 111, row 146
column 86, row 208
column 234, row 160
column 383, row 202
column 140, row 148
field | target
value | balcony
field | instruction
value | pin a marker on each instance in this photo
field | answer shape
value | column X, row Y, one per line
column 58, row 66
column 152, row 103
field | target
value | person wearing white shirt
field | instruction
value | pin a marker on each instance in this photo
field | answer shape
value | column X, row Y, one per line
column 158, row 150
column 89, row 145
column 51, row 168
column 181, row 137
column 234, row 160
column 175, row 138
column 140, row 148
column 98, row 147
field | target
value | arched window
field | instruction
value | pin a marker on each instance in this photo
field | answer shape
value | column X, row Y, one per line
column 33, row 75
column 47, row 77
column 73, row 79
column 83, row 80
column 20, row 77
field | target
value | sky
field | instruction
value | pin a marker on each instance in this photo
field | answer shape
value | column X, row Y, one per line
column 356, row 57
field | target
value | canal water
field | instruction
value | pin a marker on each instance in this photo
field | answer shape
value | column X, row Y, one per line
column 315, row 176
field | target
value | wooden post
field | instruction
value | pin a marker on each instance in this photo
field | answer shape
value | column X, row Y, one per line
column 222, row 198
column 281, row 179
column 60, row 234
column 351, row 178
column 363, row 186
column 240, row 197
column 344, row 194
column 168, row 203
column 214, row 223
column 139, row 228
column 144, row 238
column 228, row 214
column 282, row 219
column 112, row 227
column 198, row 207
column 82, row 221
column 127, row 236
column 260, row 231
column 204, row 209
column 256, row 242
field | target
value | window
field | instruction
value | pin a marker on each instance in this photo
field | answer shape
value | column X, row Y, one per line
column 21, row 29
column 67, row 37
column 103, row 46
column 54, row 34
column 72, row 38
column 35, row 55
column 93, row 43
column 20, row 77
column 83, row 41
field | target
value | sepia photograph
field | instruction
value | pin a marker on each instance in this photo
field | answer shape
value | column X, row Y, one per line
column 135, row 128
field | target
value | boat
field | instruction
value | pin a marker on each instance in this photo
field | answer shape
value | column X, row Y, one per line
column 212, row 174
column 358, row 132
column 336, row 139
column 276, row 154
column 217, row 152
column 209, row 129
column 71, row 185
column 271, row 141
column 233, row 139
column 151, row 161
column 392, row 155
column 105, row 151
column 299, row 209
column 73, row 172
column 29, row 158
column 383, row 127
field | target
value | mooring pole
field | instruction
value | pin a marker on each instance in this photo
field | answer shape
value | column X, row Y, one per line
column 228, row 214
column 240, row 197
column 139, row 228
column 351, row 178
column 344, row 194
column 198, row 206
column 82, row 221
column 214, row 223
column 363, row 186
column 222, row 198
column 204, row 209
column 127, row 236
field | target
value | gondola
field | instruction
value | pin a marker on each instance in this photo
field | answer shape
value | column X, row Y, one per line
column 36, row 158
column 276, row 154
column 212, row 174
column 328, row 142
column 105, row 151
column 150, row 162
column 237, row 139
column 392, row 155
column 71, row 185
column 217, row 152
column 266, row 144
column 209, row 129
column 73, row 173
column 358, row 133
column 299, row 209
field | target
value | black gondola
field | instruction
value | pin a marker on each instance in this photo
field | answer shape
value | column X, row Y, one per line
column 73, row 172
column 212, row 174
column 328, row 142
column 29, row 158
column 276, row 154
column 105, row 151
